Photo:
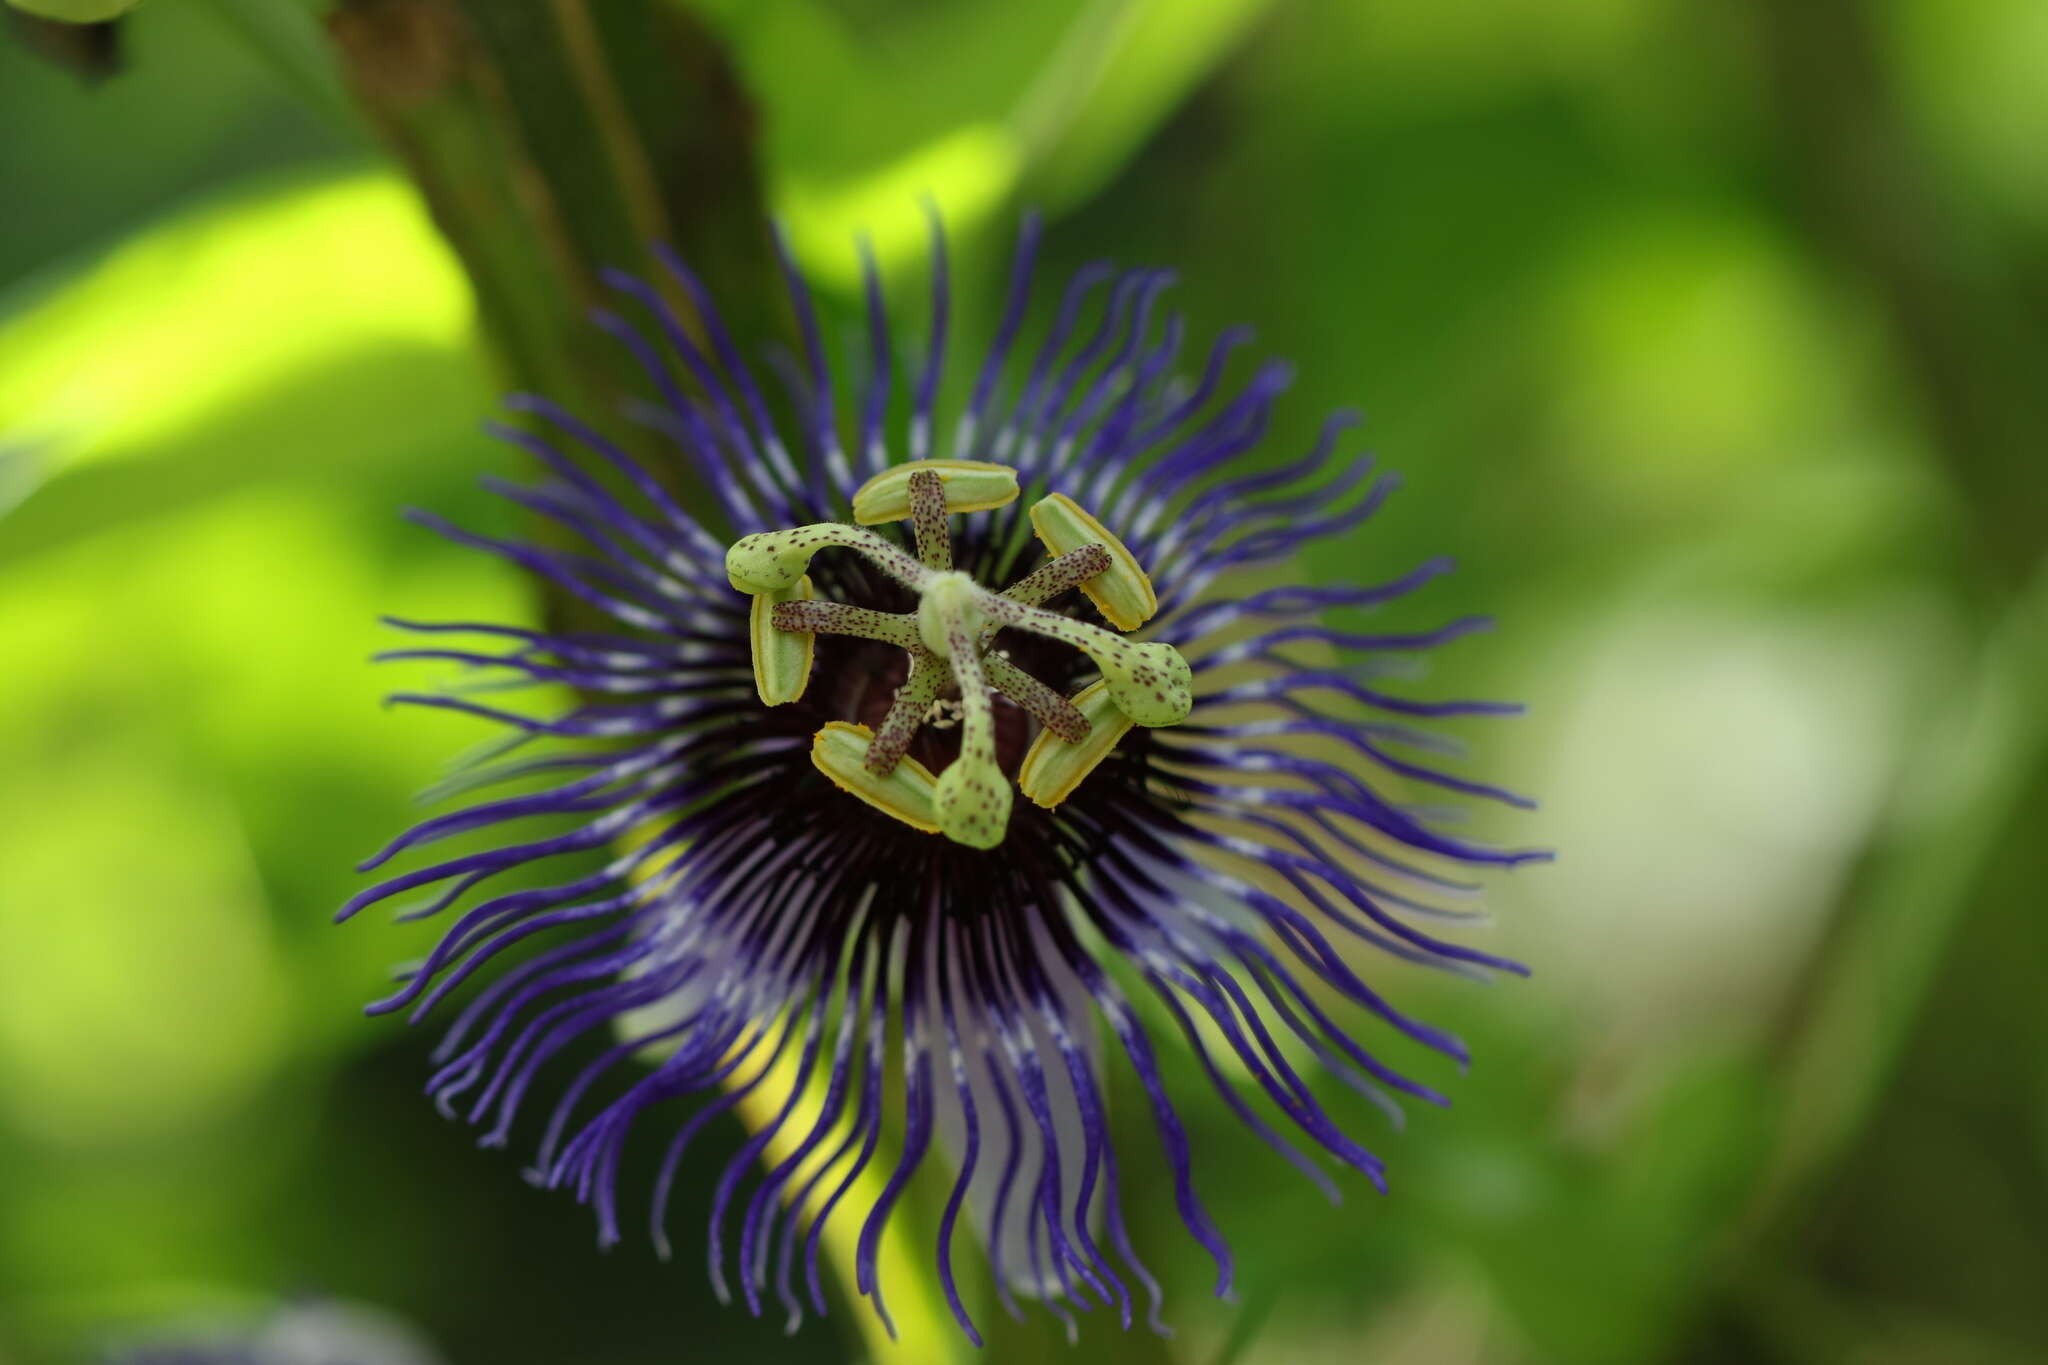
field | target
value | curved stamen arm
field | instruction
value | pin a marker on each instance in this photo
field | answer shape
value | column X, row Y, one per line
column 928, row 521
column 768, row 560
column 977, row 715
column 1048, row 581
column 1044, row 705
column 1150, row 683
column 928, row 677
column 1056, row 575
column 1048, row 707
column 838, row 618
column 1091, row 640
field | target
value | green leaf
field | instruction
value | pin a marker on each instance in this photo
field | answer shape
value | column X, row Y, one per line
column 1046, row 99
column 269, row 335
column 76, row 11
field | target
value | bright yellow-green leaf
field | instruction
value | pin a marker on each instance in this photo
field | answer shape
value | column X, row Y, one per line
column 188, row 320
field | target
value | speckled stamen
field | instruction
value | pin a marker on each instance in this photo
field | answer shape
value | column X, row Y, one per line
column 950, row 639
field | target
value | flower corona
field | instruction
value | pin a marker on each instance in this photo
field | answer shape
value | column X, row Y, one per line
column 783, row 803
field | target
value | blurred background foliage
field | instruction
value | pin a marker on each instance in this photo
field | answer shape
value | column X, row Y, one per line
column 1711, row 339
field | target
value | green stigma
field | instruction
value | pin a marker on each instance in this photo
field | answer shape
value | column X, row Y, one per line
column 948, row 639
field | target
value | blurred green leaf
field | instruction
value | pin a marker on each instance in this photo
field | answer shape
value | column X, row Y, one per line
column 287, row 35
column 223, row 418
column 180, row 328
column 160, row 993
column 1047, row 100
column 1123, row 68
column 76, row 11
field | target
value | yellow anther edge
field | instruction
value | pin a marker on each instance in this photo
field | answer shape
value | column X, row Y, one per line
column 971, row 486
column 1122, row 592
column 1053, row 768
column 782, row 658
column 840, row 752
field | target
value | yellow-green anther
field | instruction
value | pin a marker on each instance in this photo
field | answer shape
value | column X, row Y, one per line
column 782, row 658
column 768, row 560
column 970, row 486
column 1054, row 767
column 1150, row 683
column 928, row 677
column 840, row 752
column 1044, row 705
column 1122, row 592
column 951, row 602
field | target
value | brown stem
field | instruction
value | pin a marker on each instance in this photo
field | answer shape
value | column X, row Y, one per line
column 554, row 138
